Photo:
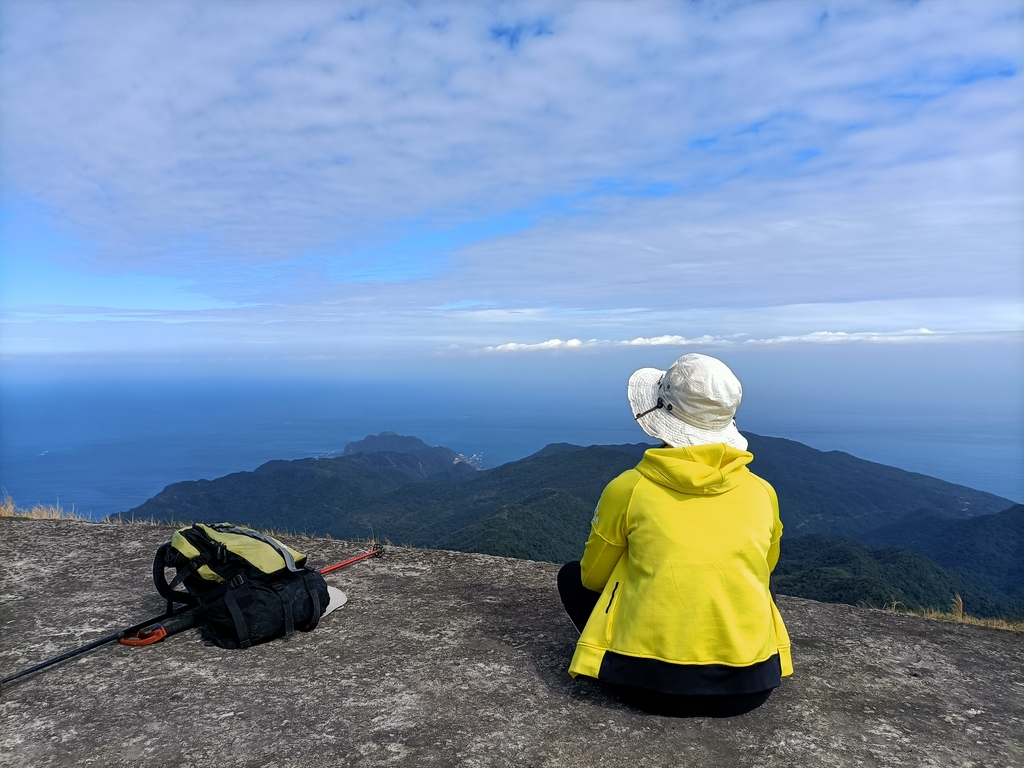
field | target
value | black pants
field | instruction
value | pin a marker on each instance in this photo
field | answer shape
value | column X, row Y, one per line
column 579, row 602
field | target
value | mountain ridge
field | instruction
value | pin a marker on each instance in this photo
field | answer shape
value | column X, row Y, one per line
column 539, row 508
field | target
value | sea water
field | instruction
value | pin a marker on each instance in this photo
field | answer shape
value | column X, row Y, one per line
column 106, row 445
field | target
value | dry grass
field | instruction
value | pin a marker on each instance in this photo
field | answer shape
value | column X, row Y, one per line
column 956, row 615
column 141, row 522
column 38, row 512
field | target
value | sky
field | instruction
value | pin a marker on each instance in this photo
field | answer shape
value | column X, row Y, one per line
column 319, row 186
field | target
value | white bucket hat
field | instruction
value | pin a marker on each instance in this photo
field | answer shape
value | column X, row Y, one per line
column 692, row 403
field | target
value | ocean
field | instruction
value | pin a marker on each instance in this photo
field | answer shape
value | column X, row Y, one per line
column 104, row 446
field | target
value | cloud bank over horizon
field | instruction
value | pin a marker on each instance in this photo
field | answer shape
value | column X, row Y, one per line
column 328, row 180
column 911, row 335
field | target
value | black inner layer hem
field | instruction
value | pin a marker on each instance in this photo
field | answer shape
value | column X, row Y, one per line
column 690, row 679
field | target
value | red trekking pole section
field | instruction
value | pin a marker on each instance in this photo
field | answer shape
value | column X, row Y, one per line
column 375, row 553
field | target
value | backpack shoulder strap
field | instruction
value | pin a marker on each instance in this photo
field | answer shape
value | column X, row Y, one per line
column 308, row 575
column 237, row 618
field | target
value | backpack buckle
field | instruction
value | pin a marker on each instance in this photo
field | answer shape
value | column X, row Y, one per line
column 236, row 581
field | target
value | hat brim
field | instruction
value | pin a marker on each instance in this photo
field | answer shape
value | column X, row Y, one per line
column 338, row 599
column 642, row 392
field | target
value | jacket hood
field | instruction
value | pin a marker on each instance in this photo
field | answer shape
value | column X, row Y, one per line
column 697, row 469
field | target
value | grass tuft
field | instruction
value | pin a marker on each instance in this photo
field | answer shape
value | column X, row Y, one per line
column 136, row 522
column 956, row 615
column 38, row 512
column 956, row 607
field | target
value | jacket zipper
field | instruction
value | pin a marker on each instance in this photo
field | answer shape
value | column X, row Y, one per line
column 611, row 616
column 612, row 598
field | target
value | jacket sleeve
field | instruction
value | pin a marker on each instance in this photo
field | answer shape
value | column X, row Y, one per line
column 773, row 549
column 608, row 530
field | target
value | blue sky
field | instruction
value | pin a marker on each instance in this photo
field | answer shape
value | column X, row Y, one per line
column 327, row 183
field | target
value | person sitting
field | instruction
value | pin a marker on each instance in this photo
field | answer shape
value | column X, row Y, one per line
column 672, row 596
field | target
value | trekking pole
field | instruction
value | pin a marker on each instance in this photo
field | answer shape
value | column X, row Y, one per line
column 374, row 553
column 153, row 630
column 87, row 647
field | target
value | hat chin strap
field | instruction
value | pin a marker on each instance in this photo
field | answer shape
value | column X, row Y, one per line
column 682, row 417
column 661, row 404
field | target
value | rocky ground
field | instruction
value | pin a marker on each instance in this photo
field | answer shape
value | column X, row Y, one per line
column 442, row 658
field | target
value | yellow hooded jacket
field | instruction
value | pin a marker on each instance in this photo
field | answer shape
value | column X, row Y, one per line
column 681, row 549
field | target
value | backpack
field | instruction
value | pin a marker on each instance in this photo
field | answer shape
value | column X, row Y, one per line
column 250, row 587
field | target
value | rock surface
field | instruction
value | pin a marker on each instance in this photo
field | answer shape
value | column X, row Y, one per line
column 441, row 658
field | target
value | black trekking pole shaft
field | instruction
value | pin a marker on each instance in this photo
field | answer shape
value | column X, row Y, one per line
column 182, row 621
column 87, row 647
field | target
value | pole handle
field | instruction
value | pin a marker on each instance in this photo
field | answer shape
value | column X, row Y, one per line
column 157, row 632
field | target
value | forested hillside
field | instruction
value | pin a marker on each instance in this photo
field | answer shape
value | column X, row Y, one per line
column 835, row 493
column 991, row 545
column 835, row 569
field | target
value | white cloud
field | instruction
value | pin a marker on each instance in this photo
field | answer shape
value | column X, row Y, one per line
column 558, row 344
column 551, row 344
column 841, row 337
column 179, row 132
column 816, row 337
column 321, row 173
column 668, row 341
